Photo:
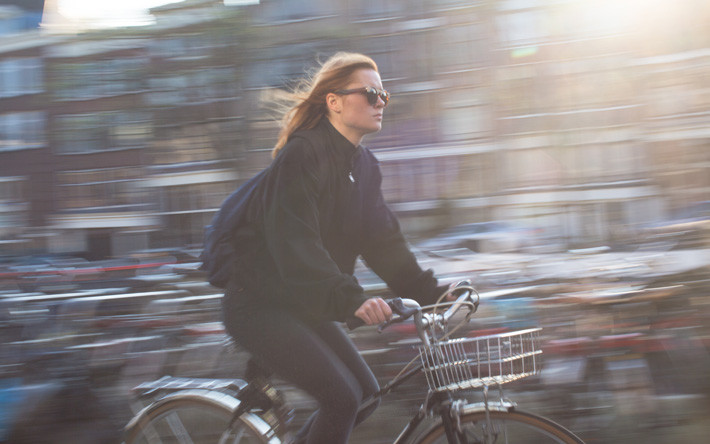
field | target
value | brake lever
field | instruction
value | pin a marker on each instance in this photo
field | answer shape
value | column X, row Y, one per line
column 403, row 313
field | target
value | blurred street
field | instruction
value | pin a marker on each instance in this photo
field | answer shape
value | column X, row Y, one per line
column 625, row 341
column 556, row 153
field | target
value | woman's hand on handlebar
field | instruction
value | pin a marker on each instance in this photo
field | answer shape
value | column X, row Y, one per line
column 374, row 311
column 452, row 294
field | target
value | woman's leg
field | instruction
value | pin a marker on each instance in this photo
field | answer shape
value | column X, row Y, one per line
column 295, row 352
column 333, row 335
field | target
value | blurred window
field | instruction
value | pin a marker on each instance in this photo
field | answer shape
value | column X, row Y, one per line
column 103, row 131
column 384, row 51
column 477, row 175
column 621, row 161
column 22, row 130
column 167, row 47
column 182, row 209
column 14, row 209
column 106, row 187
column 520, row 26
column 20, row 76
column 183, row 206
column 423, row 48
column 202, row 85
column 464, row 48
column 533, row 167
column 671, row 93
column 99, row 78
column 521, row 90
column 465, row 114
column 188, row 142
column 12, row 189
column 440, row 177
column 592, row 162
column 183, row 47
column 697, row 152
column 279, row 66
column 458, row 4
column 411, row 120
column 168, row 90
column 568, row 159
column 384, row 8
column 390, row 181
column 279, row 12
column 403, row 186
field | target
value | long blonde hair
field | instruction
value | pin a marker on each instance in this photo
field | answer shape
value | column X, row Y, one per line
column 306, row 105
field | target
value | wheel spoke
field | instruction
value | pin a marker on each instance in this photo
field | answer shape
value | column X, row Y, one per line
column 504, row 428
column 196, row 420
column 178, row 428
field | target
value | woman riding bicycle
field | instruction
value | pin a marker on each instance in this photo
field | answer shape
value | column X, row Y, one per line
column 317, row 208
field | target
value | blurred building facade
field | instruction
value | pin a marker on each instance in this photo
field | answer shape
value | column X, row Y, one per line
column 584, row 118
column 24, row 104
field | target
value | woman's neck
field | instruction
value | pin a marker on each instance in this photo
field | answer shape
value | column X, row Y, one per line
column 353, row 137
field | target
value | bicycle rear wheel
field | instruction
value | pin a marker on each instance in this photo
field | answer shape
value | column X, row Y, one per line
column 512, row 427
column 196, row 417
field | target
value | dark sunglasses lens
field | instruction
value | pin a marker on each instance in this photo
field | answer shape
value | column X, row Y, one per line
column 373, row 94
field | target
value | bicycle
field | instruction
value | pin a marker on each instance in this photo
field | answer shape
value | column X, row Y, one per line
column 254, row 411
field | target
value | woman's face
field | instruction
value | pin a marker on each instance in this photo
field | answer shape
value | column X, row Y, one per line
column 353, row 116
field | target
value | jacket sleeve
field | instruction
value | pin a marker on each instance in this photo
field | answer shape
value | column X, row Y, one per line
column 316, row 286
column 387, row 252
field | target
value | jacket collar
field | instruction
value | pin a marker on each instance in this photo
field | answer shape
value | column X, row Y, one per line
column 340, row 143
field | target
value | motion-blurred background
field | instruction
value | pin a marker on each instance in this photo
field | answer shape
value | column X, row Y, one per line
column 555, row 151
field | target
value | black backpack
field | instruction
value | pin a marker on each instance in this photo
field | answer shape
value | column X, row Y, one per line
column 220, row 250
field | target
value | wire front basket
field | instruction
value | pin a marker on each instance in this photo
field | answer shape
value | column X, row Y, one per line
column 465, row 363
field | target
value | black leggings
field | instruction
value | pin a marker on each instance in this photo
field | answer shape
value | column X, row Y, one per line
column 319, row 359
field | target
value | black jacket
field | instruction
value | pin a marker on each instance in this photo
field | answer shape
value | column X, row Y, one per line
column 319, row 207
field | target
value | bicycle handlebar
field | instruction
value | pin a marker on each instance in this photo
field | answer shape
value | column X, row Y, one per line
column 407, row 308
column 398, row 307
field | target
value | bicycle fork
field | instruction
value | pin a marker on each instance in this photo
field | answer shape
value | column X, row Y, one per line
column 489, row 432
column 451, row 418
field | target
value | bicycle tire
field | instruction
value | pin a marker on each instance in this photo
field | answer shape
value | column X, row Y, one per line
column 510, row 427
column 197, row 417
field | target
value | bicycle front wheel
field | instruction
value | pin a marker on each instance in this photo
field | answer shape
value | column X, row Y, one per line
column 512, row 427
column 197, row 417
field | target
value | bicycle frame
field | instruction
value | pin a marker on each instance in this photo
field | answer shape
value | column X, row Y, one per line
column 447, row 406
column 439, row 402
column 258, row 394
column 260, row 406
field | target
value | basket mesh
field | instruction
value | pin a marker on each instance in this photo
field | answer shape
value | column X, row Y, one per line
column 465, row 363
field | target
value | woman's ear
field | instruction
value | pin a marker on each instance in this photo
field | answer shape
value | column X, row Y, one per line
column 334, row 103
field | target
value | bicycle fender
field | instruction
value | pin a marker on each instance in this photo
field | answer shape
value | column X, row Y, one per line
column 498, row 406
column 218, row 399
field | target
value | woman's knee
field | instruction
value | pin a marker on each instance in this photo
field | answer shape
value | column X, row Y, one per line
column 343, row 399
column 369, row 387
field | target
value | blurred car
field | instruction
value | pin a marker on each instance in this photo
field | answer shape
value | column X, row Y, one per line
column 482, row 237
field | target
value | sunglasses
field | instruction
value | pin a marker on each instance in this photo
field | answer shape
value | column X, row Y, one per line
column 371, row 93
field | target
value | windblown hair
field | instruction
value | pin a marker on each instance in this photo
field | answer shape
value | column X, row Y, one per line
column 306, row 106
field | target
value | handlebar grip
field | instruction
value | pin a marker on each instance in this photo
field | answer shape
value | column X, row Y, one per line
column 354, row 322
column 397, row 307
